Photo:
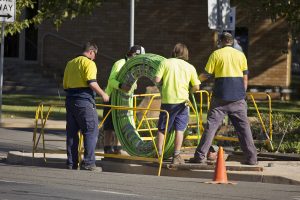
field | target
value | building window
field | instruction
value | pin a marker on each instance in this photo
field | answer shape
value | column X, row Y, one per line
column 31, row 36
column 11, row 46
column 241, row 35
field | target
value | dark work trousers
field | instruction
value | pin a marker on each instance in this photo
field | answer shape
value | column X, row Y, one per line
column 237, row 113
column 81, row 116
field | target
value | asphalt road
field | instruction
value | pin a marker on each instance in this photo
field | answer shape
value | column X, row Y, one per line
column 28, row 182
column 38, row 183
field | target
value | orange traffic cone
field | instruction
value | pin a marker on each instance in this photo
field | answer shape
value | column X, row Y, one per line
column 220, row 176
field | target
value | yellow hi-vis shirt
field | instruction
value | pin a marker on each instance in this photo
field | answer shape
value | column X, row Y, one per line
column 228, row 66
column 177, row 75
column 79, row 72
column 113, row 83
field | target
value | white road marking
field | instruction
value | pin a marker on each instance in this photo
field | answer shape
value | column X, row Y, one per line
column 113, row 192
column 6, row 181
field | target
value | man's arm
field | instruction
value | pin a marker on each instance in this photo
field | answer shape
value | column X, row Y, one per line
column 95, row 87
column 204, row 76
column 195, row 82
column 245, row 77
column 195, row 88
column 157, row 79
column 112, row 81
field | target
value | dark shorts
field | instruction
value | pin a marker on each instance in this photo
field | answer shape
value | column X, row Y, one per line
column 178, row 117
column 108, row 123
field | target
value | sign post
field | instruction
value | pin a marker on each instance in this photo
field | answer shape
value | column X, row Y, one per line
column 7, row 14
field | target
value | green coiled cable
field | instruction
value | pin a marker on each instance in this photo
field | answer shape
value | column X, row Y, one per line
column 140, row 66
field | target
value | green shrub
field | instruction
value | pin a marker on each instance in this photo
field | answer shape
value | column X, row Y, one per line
column 286, row 132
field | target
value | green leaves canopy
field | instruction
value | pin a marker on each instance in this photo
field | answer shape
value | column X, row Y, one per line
column 289, row 10
column 60, row 10
column 55, row 10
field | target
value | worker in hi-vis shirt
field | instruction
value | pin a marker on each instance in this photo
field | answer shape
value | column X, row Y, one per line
column 229, row 68
column 80, row 84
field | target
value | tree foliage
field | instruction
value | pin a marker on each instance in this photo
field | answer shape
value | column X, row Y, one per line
column 55, row 10
column 289, row 10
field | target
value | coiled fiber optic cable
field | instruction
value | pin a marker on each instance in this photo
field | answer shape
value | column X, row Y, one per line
column 140, row 66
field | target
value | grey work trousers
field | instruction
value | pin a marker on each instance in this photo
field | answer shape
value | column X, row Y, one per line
column 237, row 113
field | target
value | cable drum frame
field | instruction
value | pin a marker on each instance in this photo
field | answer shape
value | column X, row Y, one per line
column 140, row 66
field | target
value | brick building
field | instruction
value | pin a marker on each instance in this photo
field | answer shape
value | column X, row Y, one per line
column 158, row 26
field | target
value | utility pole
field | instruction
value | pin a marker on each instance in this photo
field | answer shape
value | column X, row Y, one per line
column 1, row 66
column 219, row 17
column 131, row 43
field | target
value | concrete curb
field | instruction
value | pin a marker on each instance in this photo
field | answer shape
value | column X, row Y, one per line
column 139, row 167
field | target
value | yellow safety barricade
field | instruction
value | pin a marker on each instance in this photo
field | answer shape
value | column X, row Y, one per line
column 41, row 135
column 42, row 116
column 199, row 114
column 235, row 139
column 43, row 111
column 268, row 136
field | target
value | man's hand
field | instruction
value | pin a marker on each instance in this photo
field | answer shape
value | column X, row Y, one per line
column 194, row 89
column 125, row 87
column 95, row 87
column 204, row 77
column 105, row 97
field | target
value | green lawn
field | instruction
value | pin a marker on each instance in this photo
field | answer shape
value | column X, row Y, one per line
column 286, row 107
column 24, row 106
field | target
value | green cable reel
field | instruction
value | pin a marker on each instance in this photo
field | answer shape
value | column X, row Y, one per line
column 140, row 66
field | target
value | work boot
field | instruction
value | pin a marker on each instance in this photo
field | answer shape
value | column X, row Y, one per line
column 117, row 150
column 177, row 160
column 198, row 160
column 108, row 150
column 249, row 163
column 71, row 167
column 93, row 168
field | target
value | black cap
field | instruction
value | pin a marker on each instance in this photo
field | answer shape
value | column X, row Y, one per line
column 137, row 49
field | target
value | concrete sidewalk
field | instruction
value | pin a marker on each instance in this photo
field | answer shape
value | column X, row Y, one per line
column 268, row 171
column 30, row 123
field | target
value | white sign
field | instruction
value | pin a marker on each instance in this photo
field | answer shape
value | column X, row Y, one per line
column 230, row 26
column 224, row 8
column 7, row 10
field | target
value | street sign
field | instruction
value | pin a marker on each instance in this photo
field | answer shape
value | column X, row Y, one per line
column 218, row 11
column 7, row 10
column 230, row 26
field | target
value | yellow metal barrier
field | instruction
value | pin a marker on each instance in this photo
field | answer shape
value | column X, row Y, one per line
column 200, row 114
column 152, row 97
column 269, row 137
column 43, row 117
column 40, row 116
column 159, row 158
column 251, row 95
